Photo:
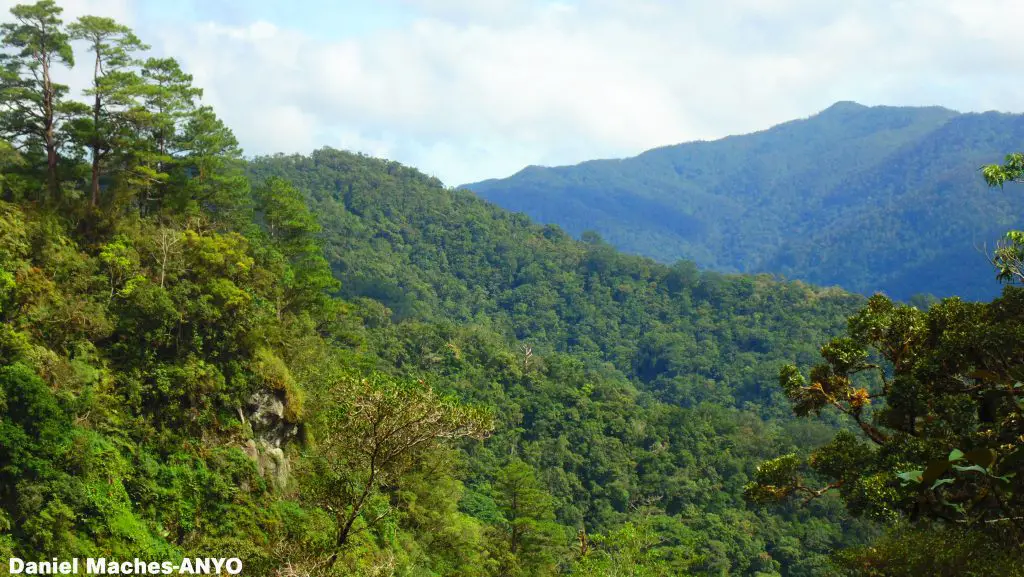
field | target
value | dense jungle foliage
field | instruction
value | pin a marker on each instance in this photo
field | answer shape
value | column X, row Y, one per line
column 332, row 365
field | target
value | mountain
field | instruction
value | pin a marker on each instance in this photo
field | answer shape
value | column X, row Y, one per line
column 633, row 388
column 868, row 198
column 332, row 366
column 429, row 253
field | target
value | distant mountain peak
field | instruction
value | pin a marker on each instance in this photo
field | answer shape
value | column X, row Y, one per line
column 846, row 106
column 816, row 199
column 851, row 107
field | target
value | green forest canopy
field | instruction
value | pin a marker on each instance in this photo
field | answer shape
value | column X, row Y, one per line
column 333, row 365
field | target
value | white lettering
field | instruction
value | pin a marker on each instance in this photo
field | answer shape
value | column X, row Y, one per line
column 96, row 566
column 135, row 567
column 203, row 566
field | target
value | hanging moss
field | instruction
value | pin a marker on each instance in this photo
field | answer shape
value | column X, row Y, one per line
column 272, row 372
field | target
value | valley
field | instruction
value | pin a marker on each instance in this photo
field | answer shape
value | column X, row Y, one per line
column 332, row 364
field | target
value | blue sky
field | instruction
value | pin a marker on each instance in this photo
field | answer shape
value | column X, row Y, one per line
column 472, row 89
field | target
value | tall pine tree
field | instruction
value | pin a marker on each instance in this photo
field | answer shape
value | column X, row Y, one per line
column 33, row 105
column 114, row 89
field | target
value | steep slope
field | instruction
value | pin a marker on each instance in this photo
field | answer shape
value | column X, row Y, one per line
column 180, row 378
column 394, row 235
column 814, row 199
column 629, row 386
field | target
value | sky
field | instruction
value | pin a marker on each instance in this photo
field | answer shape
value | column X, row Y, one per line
column 472, row 89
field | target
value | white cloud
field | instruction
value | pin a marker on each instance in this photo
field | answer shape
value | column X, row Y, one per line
column 121, row 10
column 118, row 9
column 479, row 88
column 470, row 12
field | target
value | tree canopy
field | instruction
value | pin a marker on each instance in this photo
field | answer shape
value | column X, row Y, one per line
column 333, row 365
column 937, row 396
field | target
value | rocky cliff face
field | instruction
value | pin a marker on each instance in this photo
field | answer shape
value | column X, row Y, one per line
column 265, row 413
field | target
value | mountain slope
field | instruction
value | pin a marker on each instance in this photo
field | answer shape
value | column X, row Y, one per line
column 395, row 235
column 180, row 378
column 814, row 199
column 630, row 386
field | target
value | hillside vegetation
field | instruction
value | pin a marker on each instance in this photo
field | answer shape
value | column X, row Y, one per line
column 331, row 365
column 577, row 318
column 869, row 199
column 184, row 374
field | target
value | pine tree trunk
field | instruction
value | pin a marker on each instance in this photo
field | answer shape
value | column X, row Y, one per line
column 48, row 122
column 95, row 179
column 96, row 134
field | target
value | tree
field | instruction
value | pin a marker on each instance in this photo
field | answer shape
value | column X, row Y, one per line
column 9, row 158
column 167, row 248
column 33, row 105
column 294, row 231
column 286, row 218
column 629, row 551
column 113, row 87
column 1012, row 170
column 946, row 444
column 939, row 394
column 1008, row 257
column 168, row 98
column 210, row 163
column 528, row 525
column 374, row 431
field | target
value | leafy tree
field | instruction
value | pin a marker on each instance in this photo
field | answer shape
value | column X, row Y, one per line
column 947, row 438
column 1008, row 257
column 168, row 99
column 530, row 536
column 374, row 431
column 946, row 550
column 1012, row 170
column 632, row 550
column 10, row 160
column 938, row 395
column 294, row 232
column 210, row 160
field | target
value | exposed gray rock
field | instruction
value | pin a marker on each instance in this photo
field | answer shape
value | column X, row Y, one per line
column 274, row 467
column 265, row 412
column 271, row 431
column 251, row 451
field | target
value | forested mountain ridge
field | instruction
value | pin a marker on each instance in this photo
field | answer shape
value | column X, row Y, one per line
column 183, row 374
column 698, row 346
column 429, row 253
column 867, row 198
column 330, row 365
